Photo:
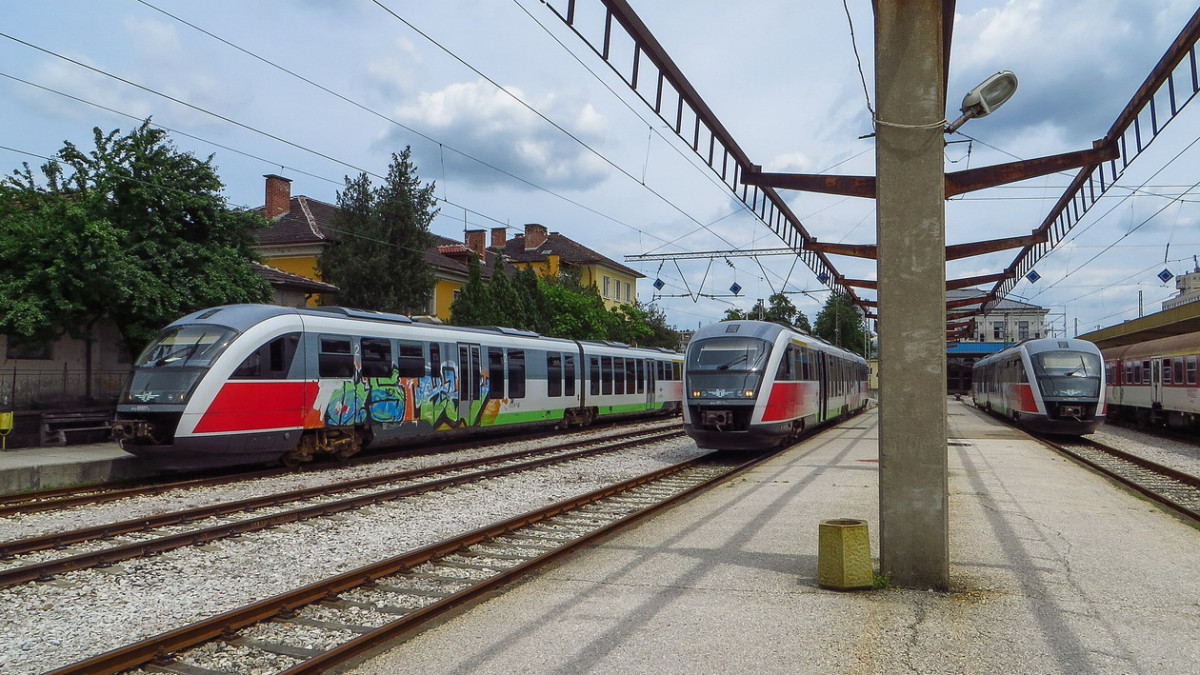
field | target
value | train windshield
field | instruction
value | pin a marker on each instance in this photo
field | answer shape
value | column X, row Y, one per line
column 1068, row 373
column 171, row 365
column 726, row 367
column 185, row 346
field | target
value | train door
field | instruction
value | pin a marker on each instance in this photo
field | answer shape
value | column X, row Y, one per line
column 647, row 376
column 1156, row 380
column 823, row 391
column 469, row 380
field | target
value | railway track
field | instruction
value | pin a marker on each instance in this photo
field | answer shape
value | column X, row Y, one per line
column 315, row 627
column 1175, row 489
column 81, row 495
column 168, row 531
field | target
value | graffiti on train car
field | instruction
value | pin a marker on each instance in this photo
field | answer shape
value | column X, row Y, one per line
column 395, row 400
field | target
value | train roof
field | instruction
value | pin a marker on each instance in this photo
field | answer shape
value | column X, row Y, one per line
column 1039, row 345
column 1174, row 345
column 243, row 317
column 765, row 330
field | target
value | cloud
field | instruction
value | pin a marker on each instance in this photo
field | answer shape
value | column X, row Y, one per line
column 489, row 125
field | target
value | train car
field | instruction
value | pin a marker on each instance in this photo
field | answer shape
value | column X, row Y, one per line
column 1154, row 382
column 257, row 383
column 1047, row 385
column 753, row 385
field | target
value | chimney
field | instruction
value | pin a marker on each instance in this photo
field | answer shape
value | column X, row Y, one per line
column 474, row 239
column 498, row 237
column 535, row 236
column 279, row 196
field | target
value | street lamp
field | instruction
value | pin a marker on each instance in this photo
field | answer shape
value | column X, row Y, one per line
column 982, row 100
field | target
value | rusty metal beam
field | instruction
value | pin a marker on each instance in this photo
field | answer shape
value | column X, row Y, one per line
column 957, row 251
column 853, row 250
column 861, row 283
column 970, row 180
column 966, row 282
column 966, row 302
column 853, row 186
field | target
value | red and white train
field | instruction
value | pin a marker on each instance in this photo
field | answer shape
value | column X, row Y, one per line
column 1154, row 382
column 752, row 385
column 1048, row 385
column 258, row 383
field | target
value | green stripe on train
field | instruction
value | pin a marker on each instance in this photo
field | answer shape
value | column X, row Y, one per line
column 523, row 416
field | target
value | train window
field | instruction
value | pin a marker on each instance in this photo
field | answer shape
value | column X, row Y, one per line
column 1178, row 363
column 1145, row 372
column 676, row 370
column 412, row 359
column 569, row 374
column 630, row 377
column 606, row 375
column 641, row 376
column 594, row 375
column 335, row 358
column 495, row 356
column 805, row 368
column 516, row 373
column 376, row 357
column 1166, row 371
column 784, row 372
column 553, row 374
column 618, row 373
column 1190, row 362
column 435, row 359
column 271, row 361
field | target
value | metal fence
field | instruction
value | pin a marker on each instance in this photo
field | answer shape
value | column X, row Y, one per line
column 39, row 389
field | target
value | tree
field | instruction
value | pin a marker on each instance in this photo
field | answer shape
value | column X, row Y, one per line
column 472, row 305
column 379, row 263
column 506, row 305
column 134, row 232
column 780, row 310
column 838, row 323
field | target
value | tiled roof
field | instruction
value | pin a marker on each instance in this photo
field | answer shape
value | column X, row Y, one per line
column 568, row 250
column 307, row 221
column 282, row 279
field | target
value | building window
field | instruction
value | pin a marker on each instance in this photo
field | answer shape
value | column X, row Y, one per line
column 627, row 293
column 997, row 330
column 606, row 285
column 1022, row 330
column 28, row 349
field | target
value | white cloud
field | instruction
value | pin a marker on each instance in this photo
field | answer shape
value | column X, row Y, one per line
column 491, row 126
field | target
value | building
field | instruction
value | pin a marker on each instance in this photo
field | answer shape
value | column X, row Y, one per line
column 1188, row 286
column 302, row 228
column 1004, row 323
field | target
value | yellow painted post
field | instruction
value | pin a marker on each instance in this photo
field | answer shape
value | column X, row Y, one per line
column 6, row 425
column 844, row 555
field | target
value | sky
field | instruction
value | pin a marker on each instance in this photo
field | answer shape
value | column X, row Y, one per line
column 516, row 120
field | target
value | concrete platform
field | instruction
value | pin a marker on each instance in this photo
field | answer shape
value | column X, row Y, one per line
column 1053, row 568
column 29, row 469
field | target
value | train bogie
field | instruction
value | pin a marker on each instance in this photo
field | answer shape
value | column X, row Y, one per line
column 250, row 383
column 1048, row 385
column 752, row 385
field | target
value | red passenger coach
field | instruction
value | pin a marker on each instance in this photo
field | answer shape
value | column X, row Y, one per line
column 752, row 385
column 1154, row 382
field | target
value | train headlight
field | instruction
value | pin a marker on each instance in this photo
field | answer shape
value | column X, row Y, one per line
column 749, row 393
column 695, row 393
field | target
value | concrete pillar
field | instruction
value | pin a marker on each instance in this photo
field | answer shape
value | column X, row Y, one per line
column 914, row 542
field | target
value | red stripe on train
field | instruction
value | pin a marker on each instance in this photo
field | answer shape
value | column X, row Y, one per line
column 786, row 401
column 247, row 406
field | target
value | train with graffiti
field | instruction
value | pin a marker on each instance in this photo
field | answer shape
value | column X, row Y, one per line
column 754, row 385
column 1047, row 385
column 252, row 384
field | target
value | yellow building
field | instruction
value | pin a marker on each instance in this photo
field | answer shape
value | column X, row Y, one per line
column 301, row 229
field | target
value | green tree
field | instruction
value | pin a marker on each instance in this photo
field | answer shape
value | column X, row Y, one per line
column 380, row 263
column 506, row 304
column 840, row 324
column 472, row 306
column 134, row 232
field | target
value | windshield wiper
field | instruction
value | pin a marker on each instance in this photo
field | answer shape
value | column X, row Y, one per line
column 737, row 359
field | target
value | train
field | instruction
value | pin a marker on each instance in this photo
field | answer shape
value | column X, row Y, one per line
column 1153, row 383
column 255, row 384
column 755, row 385
column 1045, row 385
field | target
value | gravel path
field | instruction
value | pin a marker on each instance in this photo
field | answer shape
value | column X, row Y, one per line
column 83, row 613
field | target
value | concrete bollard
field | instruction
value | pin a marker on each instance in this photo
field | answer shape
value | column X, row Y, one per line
column 844, row 555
